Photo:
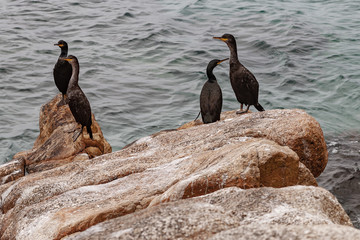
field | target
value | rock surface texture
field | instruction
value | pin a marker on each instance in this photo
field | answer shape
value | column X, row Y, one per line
column 55, row 146
column 262, row 213
column 293, row 128
column 190, row 180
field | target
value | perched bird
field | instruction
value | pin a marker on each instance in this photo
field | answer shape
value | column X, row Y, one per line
column 62, row 70
column 211, row 95
column 243, row 82
column 78, row 103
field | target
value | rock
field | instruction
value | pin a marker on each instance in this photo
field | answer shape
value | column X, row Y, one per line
column 264, row 213
column 305, row 177
column 165, row 167
column 54, row 145
column 288, row 232
column 12, row 170
column 254, row 163
column 293, row 128
column 146, row 173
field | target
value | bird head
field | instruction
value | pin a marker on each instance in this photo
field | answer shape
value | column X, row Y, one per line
column 61, row 44
column 220, row 61
column 213, row 63
column 70, row 59
column 227, row 38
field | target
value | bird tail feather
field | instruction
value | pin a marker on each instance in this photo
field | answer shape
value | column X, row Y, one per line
column 197, row 116
column 88, row 128
column 259, row 107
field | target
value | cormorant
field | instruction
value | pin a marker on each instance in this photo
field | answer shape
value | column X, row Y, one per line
column 243, row 82
column 78, row 103
column 62, row 70
column 211, row 95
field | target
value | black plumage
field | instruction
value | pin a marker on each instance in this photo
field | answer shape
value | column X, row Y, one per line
column 78, row 103
column 243, row 82
column 211, row 95
column 62, row 70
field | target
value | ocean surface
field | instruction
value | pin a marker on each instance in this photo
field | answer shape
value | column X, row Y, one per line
column 143, row 65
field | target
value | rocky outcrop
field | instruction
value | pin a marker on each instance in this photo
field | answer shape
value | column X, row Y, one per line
column 240, row 151
column 293, row 128
column 70, row 198
column 54, row 145
column 263, row 213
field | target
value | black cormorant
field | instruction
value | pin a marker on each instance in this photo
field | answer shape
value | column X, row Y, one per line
column 78, row 103
column 211, row 95
column 243, row 82
column 62, row 70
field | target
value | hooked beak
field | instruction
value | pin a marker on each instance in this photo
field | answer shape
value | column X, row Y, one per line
column 67, row 59
column 220, row 38
column 60, row 45
column 222, row 60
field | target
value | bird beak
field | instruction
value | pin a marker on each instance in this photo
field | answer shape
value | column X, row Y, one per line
column 60, row 45
column 223, row 60
column 67, row 59
column 220, row 38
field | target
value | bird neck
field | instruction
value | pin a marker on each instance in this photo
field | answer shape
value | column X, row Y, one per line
column 233, row 53
column 64, row 52
column 74, row 76
column 210, row 75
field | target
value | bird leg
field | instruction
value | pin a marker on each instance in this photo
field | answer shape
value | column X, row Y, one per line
column 77, row 134
column 241, row 111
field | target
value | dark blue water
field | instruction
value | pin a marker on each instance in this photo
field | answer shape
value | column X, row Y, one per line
column 143, row 65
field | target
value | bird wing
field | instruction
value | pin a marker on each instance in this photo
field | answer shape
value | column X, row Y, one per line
column 216, row 100
column 80, row 107
column 252, row 85
column 211, row 101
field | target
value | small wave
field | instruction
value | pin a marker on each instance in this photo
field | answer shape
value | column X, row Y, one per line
column 125, row 16
column 261, row 44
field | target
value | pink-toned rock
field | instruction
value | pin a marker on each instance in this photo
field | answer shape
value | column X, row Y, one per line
column 262, row 213
column 167, row 166
column 54, row 145
column 12, row 170
column 293, row 128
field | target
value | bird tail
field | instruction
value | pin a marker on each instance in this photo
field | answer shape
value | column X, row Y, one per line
column 88, row 128
column 197, row 116
column 259, row 107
